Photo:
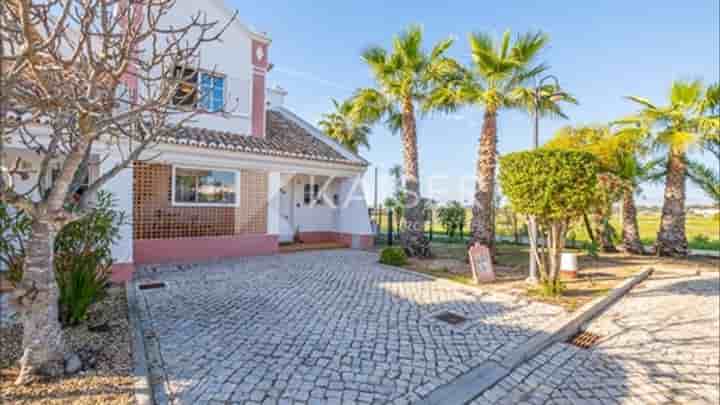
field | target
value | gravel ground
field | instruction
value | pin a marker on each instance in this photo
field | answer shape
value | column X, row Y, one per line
column 103, row 344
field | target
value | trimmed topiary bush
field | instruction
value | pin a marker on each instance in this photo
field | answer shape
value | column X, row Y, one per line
column 393, row 256
column 556, row 187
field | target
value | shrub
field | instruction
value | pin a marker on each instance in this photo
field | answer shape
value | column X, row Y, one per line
column 452, row 217
column 555, row 186
column 83, row 255
column 393, row 256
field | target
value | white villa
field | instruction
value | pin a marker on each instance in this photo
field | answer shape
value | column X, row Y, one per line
column 237, row 182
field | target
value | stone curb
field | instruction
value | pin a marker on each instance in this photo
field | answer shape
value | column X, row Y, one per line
column 143, row 393
column 473, row 383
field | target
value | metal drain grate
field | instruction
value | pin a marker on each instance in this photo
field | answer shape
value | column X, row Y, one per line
column 151, row 286
column 451, row 318
column 584, row 340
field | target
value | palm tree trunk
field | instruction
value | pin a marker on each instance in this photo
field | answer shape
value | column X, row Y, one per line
column 671, row 239
column 482, row 220
column 604, row 233
column 414, row 241
column 631, row 230
column 37, row 299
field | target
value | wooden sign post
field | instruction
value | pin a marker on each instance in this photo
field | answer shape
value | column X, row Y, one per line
column 481, row 263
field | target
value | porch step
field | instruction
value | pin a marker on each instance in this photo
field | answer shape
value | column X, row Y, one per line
column 301, row 247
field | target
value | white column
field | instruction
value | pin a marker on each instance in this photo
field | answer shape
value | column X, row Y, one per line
column 353, row 215
column 273, row 208
column 121, row 187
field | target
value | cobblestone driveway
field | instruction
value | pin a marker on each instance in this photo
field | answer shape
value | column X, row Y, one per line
column 661, row 345
column 320, row 327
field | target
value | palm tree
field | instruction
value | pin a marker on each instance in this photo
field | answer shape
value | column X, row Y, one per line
column 633, row 171
column 341, row 126
column 497, row 80
column 406, row 77
column 677, row 127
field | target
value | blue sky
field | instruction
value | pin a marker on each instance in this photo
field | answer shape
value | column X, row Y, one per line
column 601, row 51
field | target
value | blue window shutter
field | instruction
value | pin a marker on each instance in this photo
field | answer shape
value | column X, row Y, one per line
column 219, row 94
column 206, row 85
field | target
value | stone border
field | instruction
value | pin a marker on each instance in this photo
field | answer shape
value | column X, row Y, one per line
column 143, row 392
column 473, row 383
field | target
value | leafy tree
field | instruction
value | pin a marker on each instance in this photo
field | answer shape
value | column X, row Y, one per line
column 677, row 127
column 452, row 217
column 406, row 77
column 343, row 127
column 617, row 154
column 500, row 78
column 556, row 187
column 64, row 64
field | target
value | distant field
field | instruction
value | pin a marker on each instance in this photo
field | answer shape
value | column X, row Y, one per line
column 702, row 232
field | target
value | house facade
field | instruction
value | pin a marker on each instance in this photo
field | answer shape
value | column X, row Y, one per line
column 244, row 177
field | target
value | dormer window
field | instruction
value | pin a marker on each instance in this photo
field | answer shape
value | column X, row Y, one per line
column 211, row 86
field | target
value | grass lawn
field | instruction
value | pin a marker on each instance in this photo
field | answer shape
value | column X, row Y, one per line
column 702, row 232
column 596, row 278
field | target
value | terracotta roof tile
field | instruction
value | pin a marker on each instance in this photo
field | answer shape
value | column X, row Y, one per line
column 284, row 137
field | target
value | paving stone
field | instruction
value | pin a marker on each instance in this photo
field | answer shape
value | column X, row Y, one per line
column 654, row 340
column 287, row 325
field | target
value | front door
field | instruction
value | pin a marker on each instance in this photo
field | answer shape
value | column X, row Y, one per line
column 286, row 221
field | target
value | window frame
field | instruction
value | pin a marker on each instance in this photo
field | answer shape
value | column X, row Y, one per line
column 175, row 203
column 213, row 76
column 198, row 99
column 315, row 197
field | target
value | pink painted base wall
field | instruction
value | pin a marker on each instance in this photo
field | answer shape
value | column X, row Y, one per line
column 318, row 237
column 363, row 241
column 187, row 250
column 122, row 272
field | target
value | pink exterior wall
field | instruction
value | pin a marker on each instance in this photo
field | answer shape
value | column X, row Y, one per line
column 187, row 250
column 121, row 272
column 260, row 64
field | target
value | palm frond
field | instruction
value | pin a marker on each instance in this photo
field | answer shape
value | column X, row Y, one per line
column 711, row 102
column 679, row 141
column 440, row 48
column 369, row 105
column 528, row 45
column 706, row 178
column 686, row 93
column 640, row 100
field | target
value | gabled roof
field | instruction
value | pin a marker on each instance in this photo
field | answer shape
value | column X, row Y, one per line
column 285, row 137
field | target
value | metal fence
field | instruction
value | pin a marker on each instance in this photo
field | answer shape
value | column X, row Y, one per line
column 388, row 227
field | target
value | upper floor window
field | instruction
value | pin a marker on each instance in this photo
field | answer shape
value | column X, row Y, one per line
column 212, row 92
column 186, row 92
column 200, row 89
